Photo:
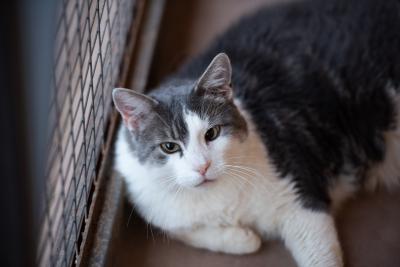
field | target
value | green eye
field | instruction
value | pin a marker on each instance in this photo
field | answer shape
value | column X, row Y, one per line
column 170, row 147
column 212, row 133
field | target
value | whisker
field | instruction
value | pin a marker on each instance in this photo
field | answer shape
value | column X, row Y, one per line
column 240, row 175
column 238, row 180
column 129, row 218
column 244, row 169
column 247, row 173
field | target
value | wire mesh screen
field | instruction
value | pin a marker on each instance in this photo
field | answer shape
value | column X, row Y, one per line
column 90, row 40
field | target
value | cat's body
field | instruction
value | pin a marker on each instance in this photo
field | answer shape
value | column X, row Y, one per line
column 313, row 119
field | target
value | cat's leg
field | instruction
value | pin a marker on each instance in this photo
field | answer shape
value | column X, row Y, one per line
column 227, row 239
column 311, row 237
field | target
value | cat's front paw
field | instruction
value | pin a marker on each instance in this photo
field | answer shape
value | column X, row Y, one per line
column 226, row 239
column 241, row 241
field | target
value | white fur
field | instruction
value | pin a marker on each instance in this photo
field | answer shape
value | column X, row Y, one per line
column 247, row 199
column 312, row 238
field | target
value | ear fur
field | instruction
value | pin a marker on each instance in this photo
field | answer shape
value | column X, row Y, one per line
column 216, row 79
column 135, row 108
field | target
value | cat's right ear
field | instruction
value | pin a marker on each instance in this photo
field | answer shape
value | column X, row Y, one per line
column 134, row 107
column 216, row 79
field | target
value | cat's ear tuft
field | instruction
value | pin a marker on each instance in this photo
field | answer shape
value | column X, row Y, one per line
column 134, row 107
column 216, row 80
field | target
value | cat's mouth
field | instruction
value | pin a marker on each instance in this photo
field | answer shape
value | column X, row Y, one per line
column 205, row 182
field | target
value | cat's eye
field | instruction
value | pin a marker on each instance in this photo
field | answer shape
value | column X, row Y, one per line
column 212, row 133
column 169, row 147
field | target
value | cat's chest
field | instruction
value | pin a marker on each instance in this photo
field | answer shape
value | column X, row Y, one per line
column 171, row 211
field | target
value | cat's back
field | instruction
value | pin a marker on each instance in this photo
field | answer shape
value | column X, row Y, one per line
column 332, row 34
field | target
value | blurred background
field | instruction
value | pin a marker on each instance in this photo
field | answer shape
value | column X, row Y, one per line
column 61, row 204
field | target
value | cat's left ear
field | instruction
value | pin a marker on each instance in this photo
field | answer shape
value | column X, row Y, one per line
column 216, row 79
column 135, row 108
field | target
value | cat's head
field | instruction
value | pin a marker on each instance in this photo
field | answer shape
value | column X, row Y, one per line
column 186, row 131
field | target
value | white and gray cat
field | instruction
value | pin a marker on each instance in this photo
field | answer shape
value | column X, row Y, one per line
column 224, row 156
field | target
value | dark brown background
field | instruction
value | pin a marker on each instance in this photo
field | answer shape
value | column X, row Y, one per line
column 368, row 225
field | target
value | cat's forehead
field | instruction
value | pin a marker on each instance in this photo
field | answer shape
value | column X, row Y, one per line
column 170, row 120
column 179, row 97
column 195, row 123
column 181, row 116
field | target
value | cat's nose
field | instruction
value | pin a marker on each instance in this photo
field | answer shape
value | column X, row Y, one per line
column 203, row 168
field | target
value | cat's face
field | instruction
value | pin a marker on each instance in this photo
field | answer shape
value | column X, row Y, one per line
column 185, row 135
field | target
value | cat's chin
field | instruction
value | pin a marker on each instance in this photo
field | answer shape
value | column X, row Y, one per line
column 198, row 183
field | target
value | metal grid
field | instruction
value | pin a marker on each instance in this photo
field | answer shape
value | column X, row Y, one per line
column 89, row 45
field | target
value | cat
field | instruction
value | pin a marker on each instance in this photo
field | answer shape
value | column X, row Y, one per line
column 263, row 135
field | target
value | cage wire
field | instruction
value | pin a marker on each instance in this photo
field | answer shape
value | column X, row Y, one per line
column 89, row 44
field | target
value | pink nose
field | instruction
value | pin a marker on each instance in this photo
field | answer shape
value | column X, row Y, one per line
column 203, row 168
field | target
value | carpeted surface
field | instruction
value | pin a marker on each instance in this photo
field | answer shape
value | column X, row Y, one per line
column 369, row 226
